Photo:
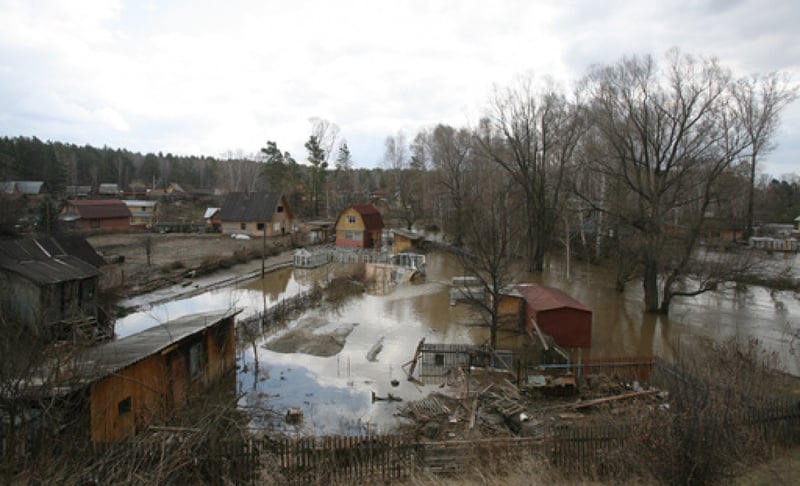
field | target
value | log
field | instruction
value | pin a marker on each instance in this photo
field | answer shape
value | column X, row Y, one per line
column 623, row 396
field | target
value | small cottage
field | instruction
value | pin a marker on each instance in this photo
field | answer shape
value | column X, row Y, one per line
column 96, row 214
column 211, row 217
column 556, row 314
column 143, row 213
column 255, row 214
column 144, row 376
column 47, row 284
column 359, row 226
column 405, row 241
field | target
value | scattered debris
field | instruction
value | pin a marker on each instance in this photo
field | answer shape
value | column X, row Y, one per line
column 388, row 398
column 372, row 354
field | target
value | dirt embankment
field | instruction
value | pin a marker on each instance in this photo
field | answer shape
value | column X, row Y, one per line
column 133, row 269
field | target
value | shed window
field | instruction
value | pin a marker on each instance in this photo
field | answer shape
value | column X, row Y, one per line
column 197, row 360
column 242, row 226
column 438, row 359
column 124, row 407
column 260, row 226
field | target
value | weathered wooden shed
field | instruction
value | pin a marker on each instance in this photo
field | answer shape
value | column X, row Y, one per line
column 146, row 375
column 558, row 315
column 406, row 241
column 47, row 281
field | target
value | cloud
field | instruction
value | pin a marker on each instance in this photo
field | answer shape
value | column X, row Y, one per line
column 205, row 78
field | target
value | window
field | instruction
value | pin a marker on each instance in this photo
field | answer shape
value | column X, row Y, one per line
column 438, row 359
column 197, row 360
column 124, row 407
column 260, row 226
column 94, row 224
column 242, row 226
column 280, row 209
column 351, row 219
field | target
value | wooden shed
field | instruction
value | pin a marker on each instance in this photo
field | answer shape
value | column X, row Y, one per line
column 406, row 241
column 558, row 315
column 146, row 375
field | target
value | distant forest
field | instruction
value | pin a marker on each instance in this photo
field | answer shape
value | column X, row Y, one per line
column 61, row 165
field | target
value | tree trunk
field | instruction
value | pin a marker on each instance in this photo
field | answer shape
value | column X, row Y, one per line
column 650, row 283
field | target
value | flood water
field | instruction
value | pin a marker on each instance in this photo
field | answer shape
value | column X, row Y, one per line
column 335, row 393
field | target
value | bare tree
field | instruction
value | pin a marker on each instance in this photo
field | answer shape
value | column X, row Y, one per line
column 492, row 241
column 533, row 137
column 327, row 135
column 759, row 101
column 450, row 151
column 663, row 139
column 405, row 195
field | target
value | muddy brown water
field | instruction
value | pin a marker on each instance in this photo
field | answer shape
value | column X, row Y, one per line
column 335, row 393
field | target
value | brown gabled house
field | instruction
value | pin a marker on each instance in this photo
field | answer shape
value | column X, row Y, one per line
column 359, row 226
column 255, row 214
column 96, row 214
column 49, row 285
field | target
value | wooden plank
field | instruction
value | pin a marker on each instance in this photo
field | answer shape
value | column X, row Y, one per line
column 623, row 396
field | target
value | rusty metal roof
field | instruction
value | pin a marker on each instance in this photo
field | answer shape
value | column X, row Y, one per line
column 371, row 216
column 105, row 359
column 543, row 298
column 100, row 208
column 44, row 261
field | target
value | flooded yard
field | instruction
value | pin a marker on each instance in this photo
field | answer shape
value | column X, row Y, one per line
column 335, row 391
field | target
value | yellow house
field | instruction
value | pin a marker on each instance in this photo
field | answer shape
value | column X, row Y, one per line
column 359, row 226
column 143, row 213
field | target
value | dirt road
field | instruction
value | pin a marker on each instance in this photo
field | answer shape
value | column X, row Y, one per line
column 172, row 256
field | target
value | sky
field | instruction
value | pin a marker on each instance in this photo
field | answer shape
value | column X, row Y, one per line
column 194, row 77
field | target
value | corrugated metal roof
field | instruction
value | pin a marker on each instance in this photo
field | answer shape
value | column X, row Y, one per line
column 33, row 260
column 543, row 298
column 105, row 359
column 139, row 203
column 30, row 187
column 101, row 208
column 254, row 206
column 371, row 216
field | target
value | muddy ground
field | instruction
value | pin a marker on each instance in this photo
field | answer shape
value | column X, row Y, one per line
column 172, row 257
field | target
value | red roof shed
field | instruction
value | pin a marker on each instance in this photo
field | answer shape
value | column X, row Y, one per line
column 558, row 315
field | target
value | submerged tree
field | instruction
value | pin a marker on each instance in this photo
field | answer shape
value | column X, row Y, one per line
column 493, row 239
column 533, row 137
column 662, row 140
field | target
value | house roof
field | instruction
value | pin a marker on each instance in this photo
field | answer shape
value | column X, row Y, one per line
column 108, row 188
column 409, row 234
column 105, row 359
column 371, row 216
column 139, row 203
column 101, row 208
column 542, row 298
column 210, row 212
column 47, row 260
column 30, row 187
column 22, row 187
column 253, row 206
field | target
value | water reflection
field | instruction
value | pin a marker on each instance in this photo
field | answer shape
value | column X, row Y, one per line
column 335, row 392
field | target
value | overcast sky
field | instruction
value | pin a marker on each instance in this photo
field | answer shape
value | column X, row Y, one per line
column 209, row 78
